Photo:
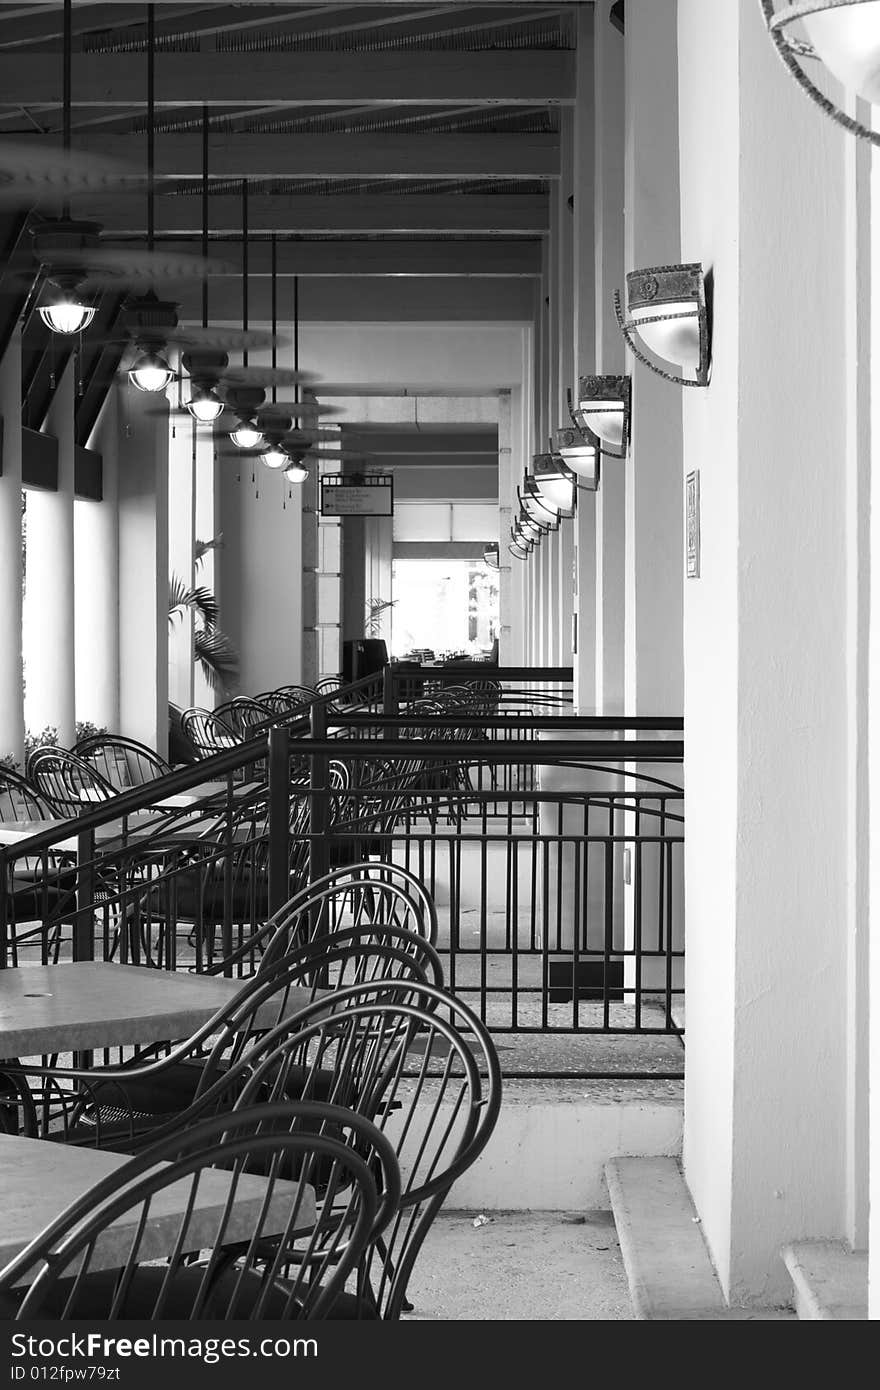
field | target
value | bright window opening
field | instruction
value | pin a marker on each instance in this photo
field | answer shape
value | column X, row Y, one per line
column 448, row 607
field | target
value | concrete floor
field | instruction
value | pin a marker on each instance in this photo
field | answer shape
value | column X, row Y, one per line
column 534, row 1266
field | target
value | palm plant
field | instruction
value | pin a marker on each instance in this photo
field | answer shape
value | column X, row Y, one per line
column 212, row 649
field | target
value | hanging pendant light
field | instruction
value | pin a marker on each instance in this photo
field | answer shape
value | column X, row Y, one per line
column 151, row 371
column 69, row 313
column 296, row 471
column 247, row 436
column 275, row 457
column 205, row 406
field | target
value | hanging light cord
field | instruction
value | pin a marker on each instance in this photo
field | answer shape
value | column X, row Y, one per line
column 274, row 313
column 67, row 89
column 151, row 138
column 205, row 214
column 244, row 265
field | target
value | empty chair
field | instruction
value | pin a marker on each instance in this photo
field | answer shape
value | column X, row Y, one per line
column 424, row 1069
column 244, row 715
column 125, row 1106
column 67, row 782
column 356, row 895
column 273, row 1208
column 40, row 889
column 123, row 762
column 207, row 732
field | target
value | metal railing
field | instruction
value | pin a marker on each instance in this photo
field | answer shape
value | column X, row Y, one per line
column 551, row 844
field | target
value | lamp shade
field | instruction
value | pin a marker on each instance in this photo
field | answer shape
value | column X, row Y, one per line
column 555, row 483
column 844, row 36
column 603, row 412
column 276, row 457
column 150, row 373
column 490, row 555
column 578, row 455
column 846, row 39
column 205, row 407
column 296, row 471
column 667, row 315
column 535, row 507
column 518, row 548
column 67, row 316
column 247, row 436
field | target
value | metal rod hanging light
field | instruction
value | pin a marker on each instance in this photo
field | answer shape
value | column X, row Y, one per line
column 151, row 371
column 204, row 405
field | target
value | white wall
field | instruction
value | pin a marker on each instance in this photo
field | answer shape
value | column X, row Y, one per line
column 765, row 698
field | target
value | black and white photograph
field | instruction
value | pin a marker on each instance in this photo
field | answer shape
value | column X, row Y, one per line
column 439, row 677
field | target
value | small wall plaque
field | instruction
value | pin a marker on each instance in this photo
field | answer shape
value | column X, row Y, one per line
column 692, row 523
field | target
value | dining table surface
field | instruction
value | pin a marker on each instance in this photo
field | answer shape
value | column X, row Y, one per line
column 85, row 1005
column 39, row 1179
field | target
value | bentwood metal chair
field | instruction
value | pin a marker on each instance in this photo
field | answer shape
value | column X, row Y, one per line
column 123, row 762
column 68, row 783
column 423, row 1068
column 208, row 733
column 123, row 1107
column 258, row 1215
column 41, row 889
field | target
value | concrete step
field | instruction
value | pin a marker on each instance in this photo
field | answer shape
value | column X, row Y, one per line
column 830, row 1280
column 554, row 1139
column 668, row 1267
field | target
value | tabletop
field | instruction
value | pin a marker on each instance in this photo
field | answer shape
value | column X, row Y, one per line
column 82, row 1005
column 39, row 1179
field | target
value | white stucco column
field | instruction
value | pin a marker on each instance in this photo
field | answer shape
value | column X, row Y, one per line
column 143, row 570
column 96, row 594
column 767, row 628
column 610, row 355
column 872, row 293
column 49, row 583
column 584, row 353
column 11, row 698
column 653, row 530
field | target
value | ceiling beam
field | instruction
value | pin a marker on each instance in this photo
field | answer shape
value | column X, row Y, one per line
column 337, row 156
column 525, row 215
column 493, row 258
column 513, row 77
column 408, row 445
column 406, row 299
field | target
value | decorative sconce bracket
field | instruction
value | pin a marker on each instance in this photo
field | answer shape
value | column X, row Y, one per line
column 791, row 50
column 605, row 395
column 667, row 284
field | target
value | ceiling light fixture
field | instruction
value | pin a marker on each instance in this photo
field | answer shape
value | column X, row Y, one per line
column 247, row 436
column 151, row 372
column 296, row 471
column 276, row 457
column 205, row 407
column 67, row 315
column 844, row 36
column 603, row 413
column 667, row 312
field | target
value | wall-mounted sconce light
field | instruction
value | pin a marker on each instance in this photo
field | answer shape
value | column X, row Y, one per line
column 534, row 506
column 843, row 35
column 531, row 530
column 667, row 312
column 578, row 455
column 490, row 555
column 556, row 484
column 602, row 413
column 519, row 548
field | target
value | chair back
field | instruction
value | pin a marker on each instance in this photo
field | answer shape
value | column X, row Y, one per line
column 243, row 715
column 422, row 1067
column 19, row 798
column 123, row 762
column 259, row 1215
column 66, row 782
column 207, row 732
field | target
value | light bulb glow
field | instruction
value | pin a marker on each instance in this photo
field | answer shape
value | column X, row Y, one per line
column 676, row 340
column 275, row 457
column 846, row 39
column 205, row 408
column 296, row 472
column 604, row 419
column 67, row 316
column 557, row 493
column 150, row 373
column 247, row 437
